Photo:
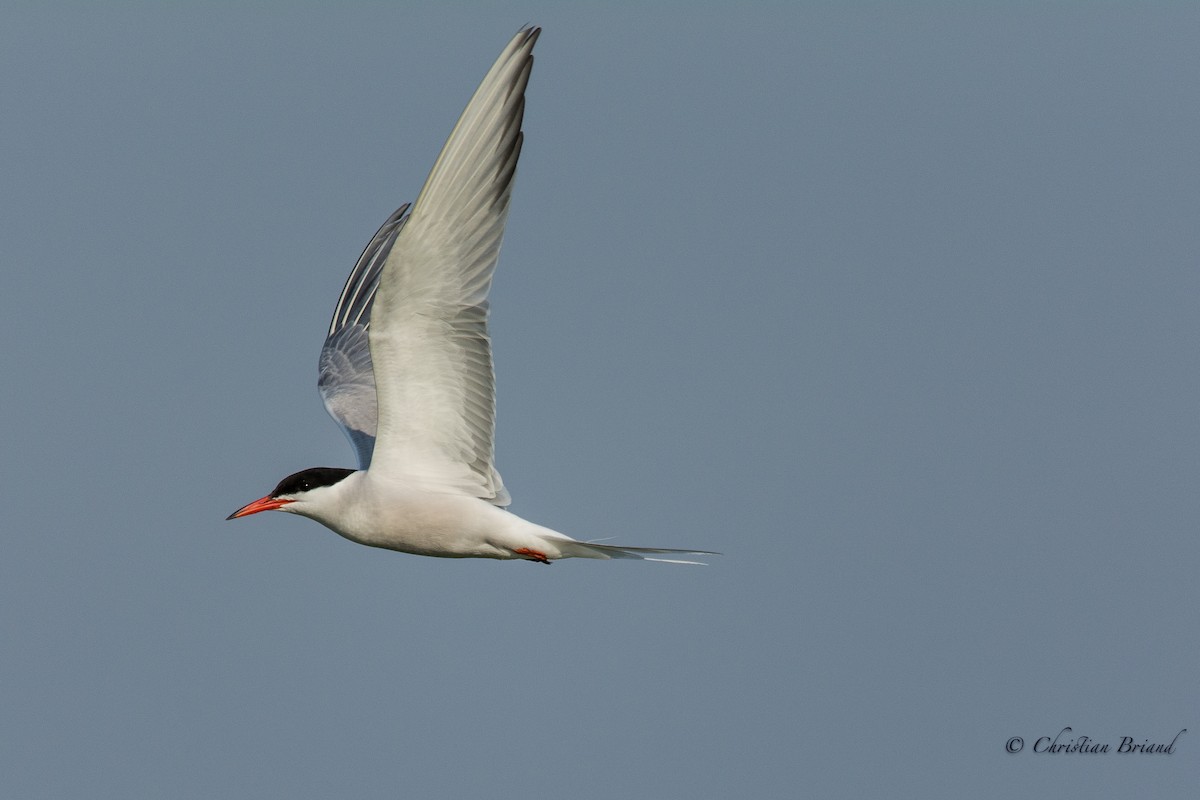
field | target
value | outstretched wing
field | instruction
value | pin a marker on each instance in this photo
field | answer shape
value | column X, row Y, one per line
column 429, row 341
column 344, row 374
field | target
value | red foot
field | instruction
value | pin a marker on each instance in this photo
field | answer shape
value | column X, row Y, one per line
column 532, row 555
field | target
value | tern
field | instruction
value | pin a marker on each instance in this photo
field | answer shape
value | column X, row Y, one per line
column 406, row 368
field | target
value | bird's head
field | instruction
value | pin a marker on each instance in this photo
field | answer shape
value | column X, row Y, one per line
column 300, row 493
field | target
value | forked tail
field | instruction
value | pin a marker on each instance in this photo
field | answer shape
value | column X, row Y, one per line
column 577, row 549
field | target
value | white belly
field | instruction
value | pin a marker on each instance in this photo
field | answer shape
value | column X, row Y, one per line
column 413, row 519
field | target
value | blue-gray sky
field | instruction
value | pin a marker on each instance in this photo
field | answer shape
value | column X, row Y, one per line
column 894, row 306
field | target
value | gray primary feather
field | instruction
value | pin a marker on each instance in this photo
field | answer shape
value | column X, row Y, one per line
column 346, row 377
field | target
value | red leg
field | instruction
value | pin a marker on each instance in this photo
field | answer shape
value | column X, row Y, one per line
column 532, row 555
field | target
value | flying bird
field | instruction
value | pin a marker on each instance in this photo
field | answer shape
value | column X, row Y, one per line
column 406, row 369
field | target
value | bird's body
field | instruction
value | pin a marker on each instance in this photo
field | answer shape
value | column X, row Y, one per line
column 406, row 369
column 412, row 519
